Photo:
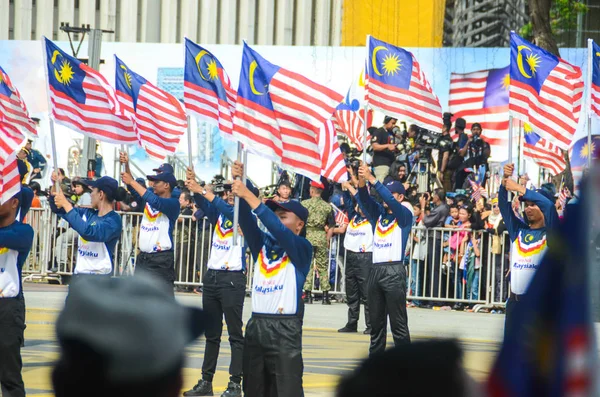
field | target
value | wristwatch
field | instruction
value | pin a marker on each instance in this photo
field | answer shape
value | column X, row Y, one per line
column 203, row 192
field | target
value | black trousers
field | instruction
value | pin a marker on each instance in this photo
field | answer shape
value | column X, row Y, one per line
column 357, row 270
column 12, row 327
column 157, row 264
column 223, row 295
column 511, row 305
column 434, row 259
column 273, row 363
column 386, row 294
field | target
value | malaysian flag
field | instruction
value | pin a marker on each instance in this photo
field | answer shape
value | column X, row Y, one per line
column 340, row 216
column 333, row 166
column 207, row 91
column 159, row 118
column 595, row 84
column 82, row 100
column 482, row 97
column 545, row 91
column 350, row 114
column 477, row 191
column 279, row 114
column 10, row 179
column 397, row 86
column 14, row 117
column 544, row 153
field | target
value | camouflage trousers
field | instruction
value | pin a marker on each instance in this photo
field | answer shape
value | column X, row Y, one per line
column 321, row 262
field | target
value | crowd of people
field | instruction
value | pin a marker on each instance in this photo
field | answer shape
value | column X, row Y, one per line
column 381, row 232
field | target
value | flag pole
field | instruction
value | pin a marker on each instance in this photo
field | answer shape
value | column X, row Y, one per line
column 510, row 139
column 50, row 117
column 589, row 102
column 236, row 205
column 366, row 106
column 189, row 142
column 519, row 148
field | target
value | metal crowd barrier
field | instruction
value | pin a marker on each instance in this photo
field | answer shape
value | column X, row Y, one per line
column 437, row 270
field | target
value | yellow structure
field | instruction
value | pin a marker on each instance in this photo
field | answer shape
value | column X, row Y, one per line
column 404, row 23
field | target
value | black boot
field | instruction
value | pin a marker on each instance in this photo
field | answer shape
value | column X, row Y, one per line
column 308, row 297
column 233, row 390
column 202, row 388
column 326, row 300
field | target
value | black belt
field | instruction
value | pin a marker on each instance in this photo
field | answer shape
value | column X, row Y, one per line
column 515, row 297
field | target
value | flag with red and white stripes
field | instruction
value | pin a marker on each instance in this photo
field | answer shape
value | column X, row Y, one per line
column 10, row 179
column 350, row 123
column 333, row 166
column 158, row 116
column 397, row 86
column 279, row 114
column 478, row 191
column 340, row 216
column 207, row 90
column 542, row 152
column 595, row 83
column 14, row 117
column 349, row 117
column 82, row 100
column 545, row 91
column 482, row 97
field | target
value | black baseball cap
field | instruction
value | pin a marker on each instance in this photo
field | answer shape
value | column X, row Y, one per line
column 291, row 206
column 164, row 177
column 134, row 323
column 396, row 187
column 166, row 167
column 106, row 184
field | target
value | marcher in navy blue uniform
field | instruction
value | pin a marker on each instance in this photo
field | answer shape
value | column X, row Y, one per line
column 161, row 211
column 99, row 227
column 15, row 243
column 223, row 290
column 358, row 243
column 386, row 283
column 273, row 345
column 528, row 240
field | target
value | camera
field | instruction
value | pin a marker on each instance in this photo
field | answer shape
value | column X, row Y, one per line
column 269, row 191
column 219, row 185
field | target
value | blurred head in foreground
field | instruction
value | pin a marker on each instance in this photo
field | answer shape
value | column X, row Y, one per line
column 424, row 369
column 122, row 337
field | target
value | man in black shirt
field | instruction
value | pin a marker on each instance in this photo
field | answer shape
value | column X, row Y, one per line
column 383, row 150
column 479, row 153
column 445, row 145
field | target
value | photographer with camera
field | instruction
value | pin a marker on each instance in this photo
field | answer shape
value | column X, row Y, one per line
column 383, row 149
column 224, row 284
column 445, row 149
column 458, row 157
column 435, row 211
column 478, row 152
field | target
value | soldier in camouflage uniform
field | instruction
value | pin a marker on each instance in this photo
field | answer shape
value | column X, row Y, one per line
column 318, row 212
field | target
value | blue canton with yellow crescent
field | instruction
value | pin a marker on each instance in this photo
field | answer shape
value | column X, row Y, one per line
column 530, row 64
column 389, row 64
column 127, row 81
column 65, row 73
